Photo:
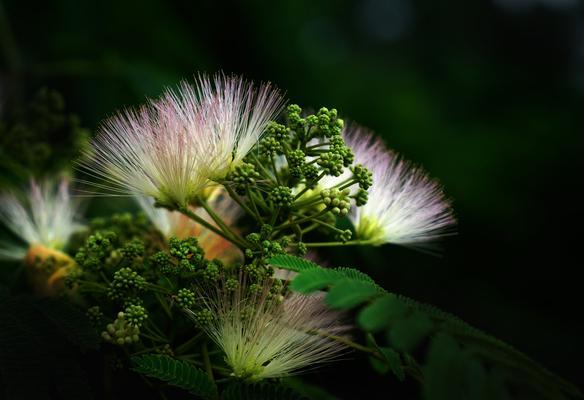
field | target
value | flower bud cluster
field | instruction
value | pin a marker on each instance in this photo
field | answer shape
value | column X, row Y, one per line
column 121, row 332
column 337, row 201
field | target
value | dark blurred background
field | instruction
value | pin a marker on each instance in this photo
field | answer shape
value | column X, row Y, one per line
column 486, row 95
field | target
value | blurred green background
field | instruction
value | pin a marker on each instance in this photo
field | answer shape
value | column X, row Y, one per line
column 486, row 95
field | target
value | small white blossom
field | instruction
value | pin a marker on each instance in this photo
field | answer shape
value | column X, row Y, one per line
column 268, row 336
column 47, row 216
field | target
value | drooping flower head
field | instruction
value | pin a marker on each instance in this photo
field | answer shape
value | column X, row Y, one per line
column 405, row 206
column 173, row 223
column 46, row 216
column 264, row 335
column 171, row 147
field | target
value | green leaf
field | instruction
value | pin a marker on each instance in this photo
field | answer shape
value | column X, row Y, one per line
column 292, row 263
column 477, row 380
column 356, row 275
column 381, row 313
column 444, row 370
column 176, row 373
column 260, row 391
column 407, row 333
column 392, row 360
column 315, row 279
column 349, row 293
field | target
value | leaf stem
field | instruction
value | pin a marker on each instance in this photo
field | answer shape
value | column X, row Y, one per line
column 207, row 360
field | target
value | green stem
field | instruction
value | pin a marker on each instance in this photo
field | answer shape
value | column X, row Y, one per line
column 301, row 220
column 187, row 212
column 158, row 289
column 253, row 204
column 242, row 204
column 334, row 244
column 372, row 352
column 207, row 360
column 262, row 168
column 275, row 170
column 164, row 305
column 188, row 343
column 234, row 238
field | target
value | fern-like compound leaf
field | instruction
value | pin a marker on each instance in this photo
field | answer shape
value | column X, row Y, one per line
column 176, row 373
column 260, row 391
column 292, row 263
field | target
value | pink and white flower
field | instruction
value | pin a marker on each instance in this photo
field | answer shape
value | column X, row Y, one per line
column 172, row 147
column 405, row 206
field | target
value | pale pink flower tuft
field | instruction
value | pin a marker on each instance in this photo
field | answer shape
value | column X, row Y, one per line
column 172, row 147
column 405, row 206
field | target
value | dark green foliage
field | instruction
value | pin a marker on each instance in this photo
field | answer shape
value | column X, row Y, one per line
column 308, row 390
column 459, row 354
column 260, row 391
column 349, row 293
column 314, row 279
column 39, row 344
column 176, row 373
column 376, row 316
column 40, row 139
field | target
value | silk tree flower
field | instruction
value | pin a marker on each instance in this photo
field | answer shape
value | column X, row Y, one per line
column 228, row 113
column 266, row 336
column 405, row 206
column 173, row 223
column 44, row 220
column 171, row 147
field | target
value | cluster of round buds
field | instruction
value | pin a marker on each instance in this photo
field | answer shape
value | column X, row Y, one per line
column 125, row 280
column 254, row 289
column 187, row 251
column 310, row 173
column 301, row 249
column 231, row 284
column 212, row 271
column 337, row 145
column 135, row 315
column 203, row 317
column 133, row 250
column 337, row 201
column 165, row 350
column 327, row 122
column 120, row 332
column 331, row 163
column 361, row 197
column 257, row 270
column 277, row 131
column 281, row 196
column 94, row 315
column 163, row 262
column 270, row 146
column 362, row 175
column 345, row 235
column 96, row 250
column 294, row 118
column 243, row 175
column 185, row 298
column 296, row 163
